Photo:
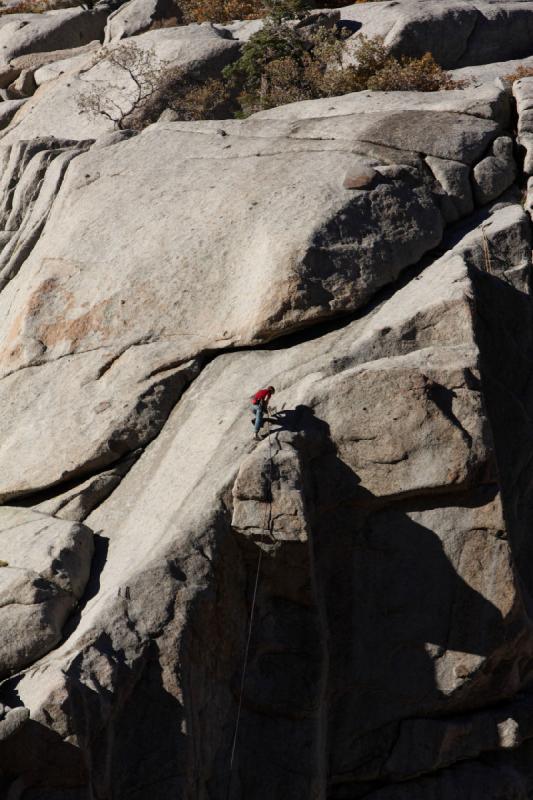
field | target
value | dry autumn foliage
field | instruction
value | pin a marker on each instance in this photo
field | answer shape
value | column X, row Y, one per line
column 412, row 74
column 228, row 10
column 521, row 72
column 279, row 66
column 145, row 87
column 221, row 10
column 26, row 7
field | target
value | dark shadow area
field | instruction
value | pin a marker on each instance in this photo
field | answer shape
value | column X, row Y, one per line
column 504, row 330
column 35, row 756
column 8, row 692
column 131, row 737
column 350, row 25
column 443, row 398
column 120, row 467
column 297, row 420
column 135, row 741
column 376, row 588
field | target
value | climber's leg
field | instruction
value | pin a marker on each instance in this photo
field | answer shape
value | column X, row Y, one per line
column 258, row 418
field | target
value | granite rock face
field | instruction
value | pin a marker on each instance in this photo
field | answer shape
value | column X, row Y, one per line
column 370, row 256
column 457, row 33
column 45, row 568
column 523, row 92
column 270, row 268
column 137, row 16
column 403, row 522
column 496, row 172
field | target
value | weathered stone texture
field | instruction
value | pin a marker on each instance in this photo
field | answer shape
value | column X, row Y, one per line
column 457, row 33
column 21, row 34
column 370, row 256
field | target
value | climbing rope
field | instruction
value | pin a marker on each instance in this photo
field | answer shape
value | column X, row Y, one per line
column 265, row 528
column 486, row 252
column 488, row 259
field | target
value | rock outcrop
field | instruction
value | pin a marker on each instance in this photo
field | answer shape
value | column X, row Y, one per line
column 343, row 609
column 138, row 16
column 45, row 568
column 21, row 34
column 457, row 33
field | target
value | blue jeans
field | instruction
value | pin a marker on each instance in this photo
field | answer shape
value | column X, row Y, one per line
column 259, row 413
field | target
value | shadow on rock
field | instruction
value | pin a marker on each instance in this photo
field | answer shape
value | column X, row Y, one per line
column 375, row 618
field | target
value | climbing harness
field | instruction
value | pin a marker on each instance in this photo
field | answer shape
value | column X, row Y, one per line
column 266, row 528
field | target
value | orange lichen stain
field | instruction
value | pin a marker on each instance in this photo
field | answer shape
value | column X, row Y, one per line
column 45, row 319
column 40, row 296
column 77, row 329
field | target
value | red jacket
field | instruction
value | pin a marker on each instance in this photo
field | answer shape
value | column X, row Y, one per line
column 262, row 396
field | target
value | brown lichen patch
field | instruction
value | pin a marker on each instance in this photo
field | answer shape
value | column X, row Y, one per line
column 77, row 329
column 41, row 295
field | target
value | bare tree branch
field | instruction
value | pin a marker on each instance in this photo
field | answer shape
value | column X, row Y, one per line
column 145, row 76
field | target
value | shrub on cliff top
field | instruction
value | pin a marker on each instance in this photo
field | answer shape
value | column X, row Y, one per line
column 412, row 74
column 281, row 64
column 521, row 72
column 221, row 10
column 146, row 86
column 228, row 10
column 26, row 7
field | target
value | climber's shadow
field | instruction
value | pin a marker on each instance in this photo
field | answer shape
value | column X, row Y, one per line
column 297, row 420
column 408, row 628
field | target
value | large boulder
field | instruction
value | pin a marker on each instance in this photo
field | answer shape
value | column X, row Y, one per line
column 496, row 172
column 523, row 93
column 21, row 34
column 49, row 71
column 138, row 16
column 457, row 32
column 33, row 62
column 45, row 567
column 486, row 103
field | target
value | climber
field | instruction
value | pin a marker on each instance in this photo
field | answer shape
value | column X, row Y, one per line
column 260, row 402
